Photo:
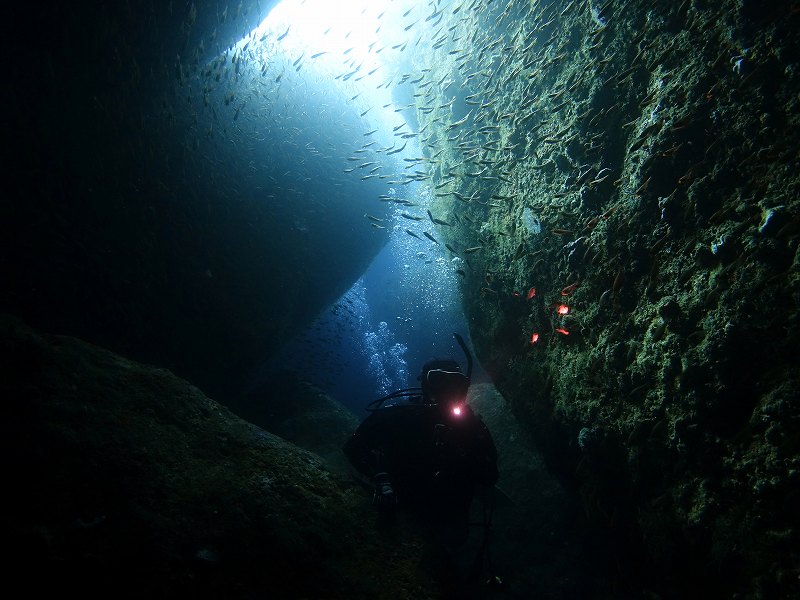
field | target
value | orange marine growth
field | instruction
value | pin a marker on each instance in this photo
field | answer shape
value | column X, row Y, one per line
column 570, row 288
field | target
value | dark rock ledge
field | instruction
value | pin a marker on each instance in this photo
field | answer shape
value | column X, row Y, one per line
column 122, row 480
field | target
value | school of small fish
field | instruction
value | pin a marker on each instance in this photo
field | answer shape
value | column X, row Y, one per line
column 486, row 112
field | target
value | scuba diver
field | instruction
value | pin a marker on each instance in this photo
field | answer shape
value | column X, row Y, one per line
column 430, row 452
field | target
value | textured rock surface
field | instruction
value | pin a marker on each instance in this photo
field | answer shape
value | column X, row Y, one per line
column 301, row 413
column 126, row 481
column 142, row 214
column 656, row 143
column 635, row 162
column 123, row 481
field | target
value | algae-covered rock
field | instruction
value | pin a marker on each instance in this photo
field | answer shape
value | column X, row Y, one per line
column 656, row 144
column 122, row 480
column 301, row 413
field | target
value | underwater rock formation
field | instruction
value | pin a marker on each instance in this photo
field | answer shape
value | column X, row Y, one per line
column 287, row 405
column 618, row 179
column 154, row 217
column 648, row 334
column 541, row 542
column 125, row 481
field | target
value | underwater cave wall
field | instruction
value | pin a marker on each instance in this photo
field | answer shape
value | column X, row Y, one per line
column 621, row 179
column 155, row 204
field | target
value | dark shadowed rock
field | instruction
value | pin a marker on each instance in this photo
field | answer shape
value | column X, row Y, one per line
column 125, row 481
column 538, row 546
column 131, row 231
column 300, row 412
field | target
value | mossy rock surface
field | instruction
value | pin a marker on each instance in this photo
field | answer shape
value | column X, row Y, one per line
column 123, row 480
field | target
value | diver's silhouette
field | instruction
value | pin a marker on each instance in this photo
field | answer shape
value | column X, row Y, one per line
column 429, row 452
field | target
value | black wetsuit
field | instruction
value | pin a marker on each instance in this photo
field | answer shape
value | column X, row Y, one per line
column 434, row 459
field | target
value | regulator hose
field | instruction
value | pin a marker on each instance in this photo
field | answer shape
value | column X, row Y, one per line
column 461, row 343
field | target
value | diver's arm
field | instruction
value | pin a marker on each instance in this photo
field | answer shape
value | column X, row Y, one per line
column 360, row 449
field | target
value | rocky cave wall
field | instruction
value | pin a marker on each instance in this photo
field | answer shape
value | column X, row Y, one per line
column 621, row 181
column 141, row 213
column 124, row 481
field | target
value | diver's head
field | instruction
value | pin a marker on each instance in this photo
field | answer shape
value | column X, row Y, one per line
column 443, row 383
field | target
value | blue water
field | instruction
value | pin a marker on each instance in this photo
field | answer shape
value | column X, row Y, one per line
column 401, row 313
column 340, row 111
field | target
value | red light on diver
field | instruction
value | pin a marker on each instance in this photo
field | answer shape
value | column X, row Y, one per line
column 534, row 338
column 457, row 411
